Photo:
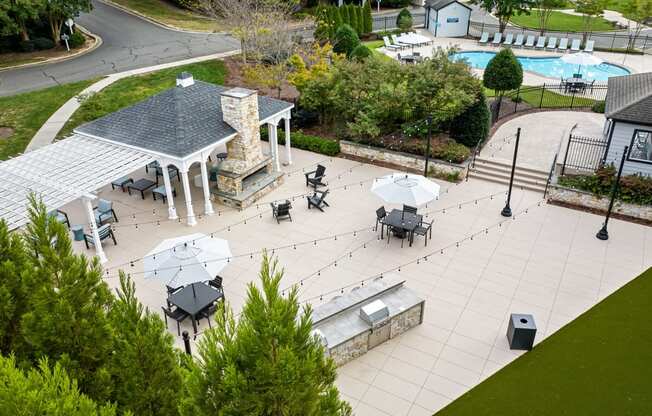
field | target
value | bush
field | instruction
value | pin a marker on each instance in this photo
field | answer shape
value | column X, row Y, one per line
column 76, row 40
column 452, row 152
column 472, row 126
column 503, row 72
column 635, row 189
column 307, row 142
column 598, row 107
column 26, row 45
column 404, row 20
column 360, row 53
column 43, row 43
column 346, row 39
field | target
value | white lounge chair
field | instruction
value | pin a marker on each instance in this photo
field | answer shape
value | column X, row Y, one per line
column 589, row 46
column 541, row 43
column 575, row 45
column 498, row 38
column 529, row 43
column 509, row 39
column 389, row 46
column 396, row 42
column 563, row 44
column 484, row 38
column 519, row 40
column 552, row 43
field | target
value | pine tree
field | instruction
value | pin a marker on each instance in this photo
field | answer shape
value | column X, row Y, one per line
column 144, row 364
column 368, row 20
column 359, row 13
column 45, row 392
column 355, row 23
column 266, row 363
column 337, row 15
column 346, row 16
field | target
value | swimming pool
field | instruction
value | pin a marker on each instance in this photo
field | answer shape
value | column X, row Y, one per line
column 552, row 67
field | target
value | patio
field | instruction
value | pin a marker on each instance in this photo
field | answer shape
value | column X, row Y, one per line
column 546, row 262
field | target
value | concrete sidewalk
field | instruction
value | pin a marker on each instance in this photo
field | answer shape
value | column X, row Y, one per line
column 48, row 132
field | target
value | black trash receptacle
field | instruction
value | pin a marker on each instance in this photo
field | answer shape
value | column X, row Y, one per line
column 521, row 331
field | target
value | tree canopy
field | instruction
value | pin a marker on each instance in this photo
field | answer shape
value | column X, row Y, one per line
column 504, row 72
column 505, row 9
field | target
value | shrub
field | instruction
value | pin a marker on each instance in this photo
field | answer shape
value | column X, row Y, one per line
column 503, row 72
column 598, row 107
column 452, row 152
column 404, row 20
column 472, row 126
column 43, row 43
column 76, row 40
column 635, row 189
column 26, row 45
column 307, row 142
column 355, row 23
column 360, row 53
column 346, row 39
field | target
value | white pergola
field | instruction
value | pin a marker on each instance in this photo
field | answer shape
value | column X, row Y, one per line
column 63, row 172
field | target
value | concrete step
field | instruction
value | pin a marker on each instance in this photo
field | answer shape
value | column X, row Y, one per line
column 500, row 164
column 491, row 169
column 518, row 184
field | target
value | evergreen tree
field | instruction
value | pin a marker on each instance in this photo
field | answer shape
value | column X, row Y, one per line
column 355, row 23
column 472, row 126
column 368, row 20
column 337, row 20
column 346, row 16
column 346, row 39
column 67, row 319
column 360, row 20
column 360, row 53
column 503, row 72
column 267, row 363
column 144, row 364
column 43, row 391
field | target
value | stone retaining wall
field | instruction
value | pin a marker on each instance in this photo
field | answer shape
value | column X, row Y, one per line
column 588, row 200
column 405, row 160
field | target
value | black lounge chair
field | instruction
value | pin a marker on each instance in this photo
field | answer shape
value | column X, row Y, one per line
column 175, row 314
column 411, row 210
column 314, row 178
column 59, row 216
column 317, row 200
column 424, row 229
column 104, row 232
column 281, row 211
column 216, row 284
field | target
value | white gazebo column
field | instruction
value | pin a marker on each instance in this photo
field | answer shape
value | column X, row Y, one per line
column 186, row 191
column 288, row 142
column 172, row 211
column 99, row 251
column 208, row 207
column 273, row 144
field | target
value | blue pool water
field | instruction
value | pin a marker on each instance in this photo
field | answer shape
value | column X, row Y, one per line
column 552, row 67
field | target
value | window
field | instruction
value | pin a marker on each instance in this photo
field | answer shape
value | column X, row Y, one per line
column 453, row 20
column 640, row 150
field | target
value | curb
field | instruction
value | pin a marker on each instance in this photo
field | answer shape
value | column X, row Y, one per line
column 49, row 130
column 98, row 43
column 156, row 22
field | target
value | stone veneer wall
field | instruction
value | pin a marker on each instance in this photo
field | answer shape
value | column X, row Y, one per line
column 408, row 319
column 586, row 199
column 406, row 160
column 240, row 111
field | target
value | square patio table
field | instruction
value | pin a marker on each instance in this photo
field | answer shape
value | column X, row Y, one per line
column 405, row 221
column 193, row 298
column 141, row 185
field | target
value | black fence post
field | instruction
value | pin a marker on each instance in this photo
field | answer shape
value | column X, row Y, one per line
column 563, row 166
column 603, row 234
column 543, row 90
column 572, row 98
column 518, row 94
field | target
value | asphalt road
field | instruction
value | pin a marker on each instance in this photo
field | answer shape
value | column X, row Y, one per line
column 128, row 43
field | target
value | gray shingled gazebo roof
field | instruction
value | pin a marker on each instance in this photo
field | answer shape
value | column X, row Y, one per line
column 629, row 98
column 440, row 4
column 177, row 122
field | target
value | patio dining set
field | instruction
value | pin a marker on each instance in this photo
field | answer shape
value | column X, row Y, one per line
column 196, row 301
column 403, row 223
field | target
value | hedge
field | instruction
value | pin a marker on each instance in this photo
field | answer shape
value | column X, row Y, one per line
column 307, row 142
column 634, row 189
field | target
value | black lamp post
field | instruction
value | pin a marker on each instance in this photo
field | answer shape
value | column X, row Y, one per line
column 429, row 122
column 603, row 234
column 186, row 342
column 507, row 211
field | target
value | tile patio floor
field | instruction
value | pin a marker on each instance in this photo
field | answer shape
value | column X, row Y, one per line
column 546, row 262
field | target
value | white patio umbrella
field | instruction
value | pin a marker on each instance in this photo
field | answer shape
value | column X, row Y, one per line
column 405, row 188
column 581, row 59
column 188, row 259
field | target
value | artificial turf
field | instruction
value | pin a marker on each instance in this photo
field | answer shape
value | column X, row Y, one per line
column 599, row 364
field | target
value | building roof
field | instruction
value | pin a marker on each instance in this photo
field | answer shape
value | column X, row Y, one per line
column 629, row 98
column 61, row 173
column 440, row 4
column 176, row 122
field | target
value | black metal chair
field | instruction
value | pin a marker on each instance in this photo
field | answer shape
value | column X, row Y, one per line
column 408, row 208
column 104, row 232
column 424, row 229
column 318, row 199
column 175, row 314
column 207, row 312
column 216, row 284
column 59, row 216
column 314, row 178
column 281, row 211
column 381, row 214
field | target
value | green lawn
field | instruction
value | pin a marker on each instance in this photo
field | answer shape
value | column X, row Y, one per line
column 599, row 364
column 26, row 113
column 562, row 21
column 374, row 45
column 131, row 90
column 532, row 96
column 170, row 14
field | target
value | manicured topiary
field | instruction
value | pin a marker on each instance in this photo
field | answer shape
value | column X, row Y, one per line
column 76, row 40
column 503, row 73
column 472, row 126
column 404, row 19
column 346, row 39
column 360, row 53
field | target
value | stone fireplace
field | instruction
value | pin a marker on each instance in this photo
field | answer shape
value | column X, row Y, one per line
column 247, row 174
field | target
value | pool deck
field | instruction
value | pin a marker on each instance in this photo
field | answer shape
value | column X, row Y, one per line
column 634, row 63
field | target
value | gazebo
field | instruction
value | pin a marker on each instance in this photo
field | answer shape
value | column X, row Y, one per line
column 176, row 128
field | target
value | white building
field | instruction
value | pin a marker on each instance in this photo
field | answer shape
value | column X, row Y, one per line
column 447, row 18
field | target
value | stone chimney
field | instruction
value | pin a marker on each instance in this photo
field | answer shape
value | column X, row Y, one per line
column 240, row 111
column 185, row 79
